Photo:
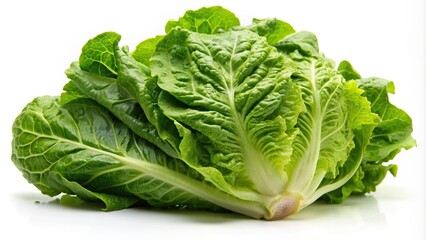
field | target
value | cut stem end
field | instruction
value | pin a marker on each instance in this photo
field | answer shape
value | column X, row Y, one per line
column 283, row 206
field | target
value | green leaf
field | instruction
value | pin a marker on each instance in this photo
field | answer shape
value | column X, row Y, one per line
column 111, row 202
column 105, row 91
column 390, row 135
column 80, row 148
column 204, row 20
column 326, row 152
column 393, row 133
column 374, row 175
column 301, row 45
column 227, row 92
column 144, row 89
column 207, row 20
column 98, row 55
column 354, row 185
column 71, row 92
column 351, row 174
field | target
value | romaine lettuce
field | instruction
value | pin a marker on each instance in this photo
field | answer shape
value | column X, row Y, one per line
column 212, row 115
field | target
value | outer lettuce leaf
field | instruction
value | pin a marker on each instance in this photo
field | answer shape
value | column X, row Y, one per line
column 80, row 148
column 111, row 201
column 105, row 91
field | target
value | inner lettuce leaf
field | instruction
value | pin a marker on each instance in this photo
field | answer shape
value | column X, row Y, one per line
column 243, row 130
column 212, row 115
column 208, row 20
column 273, row 29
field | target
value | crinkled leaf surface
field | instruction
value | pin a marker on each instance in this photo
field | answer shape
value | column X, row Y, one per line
column 207, row 20
column 232, row 92
column 105, row 91
column 144, row 89
column 392, row 133
column 334, row 110
column 80, row 148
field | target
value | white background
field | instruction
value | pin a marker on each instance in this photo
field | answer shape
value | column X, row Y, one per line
column 39, row 39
